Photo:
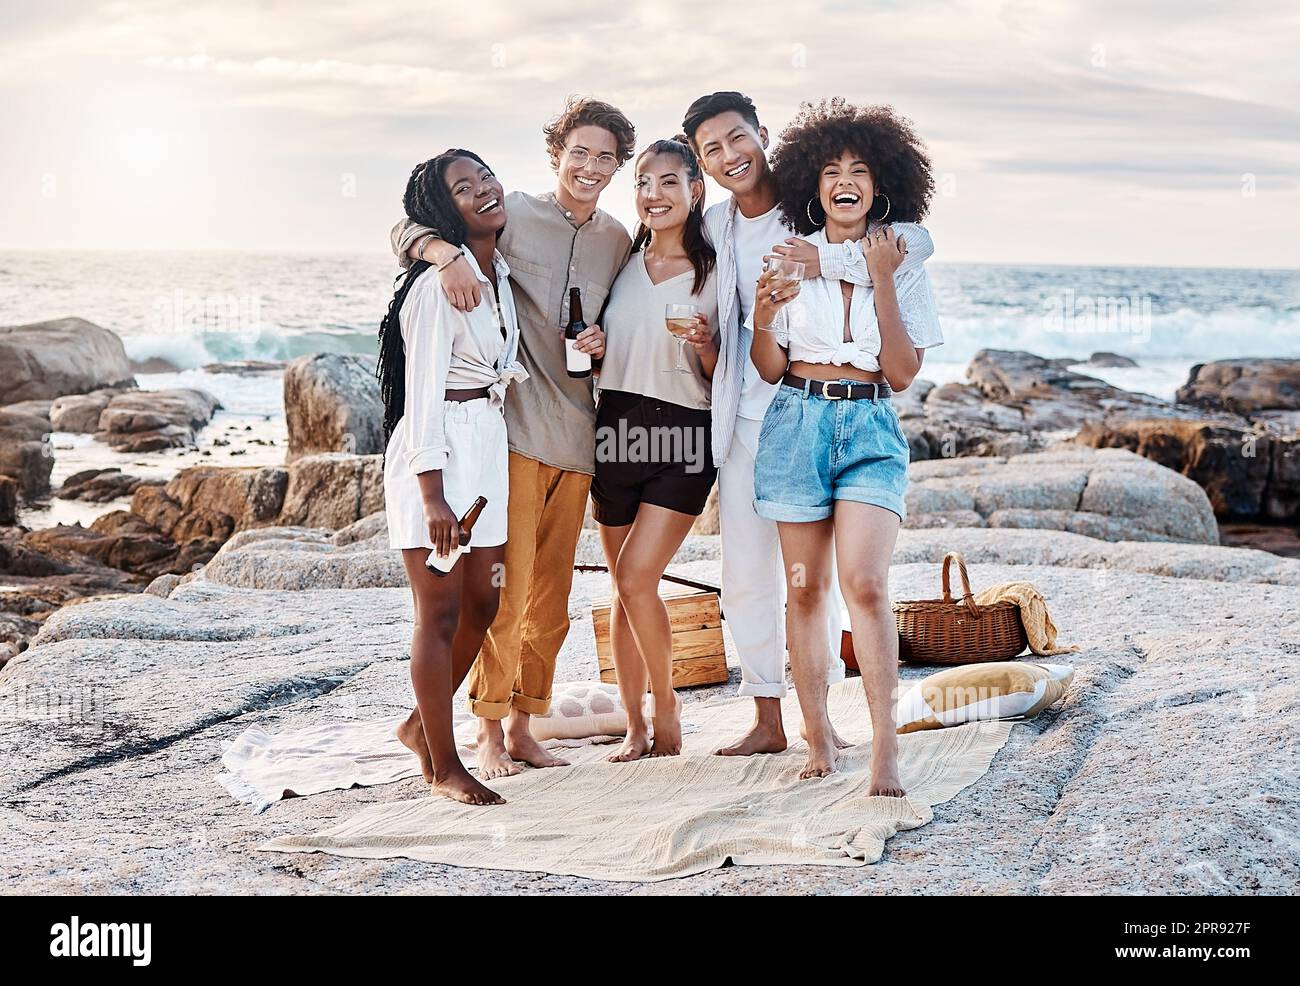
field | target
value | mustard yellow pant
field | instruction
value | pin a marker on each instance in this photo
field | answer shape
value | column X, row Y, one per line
column 516, row 665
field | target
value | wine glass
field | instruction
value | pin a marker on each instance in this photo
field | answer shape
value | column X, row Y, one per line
column 788, row 272
column 682, row 321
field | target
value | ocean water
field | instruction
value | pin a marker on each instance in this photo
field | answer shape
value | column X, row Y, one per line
column 198, row 308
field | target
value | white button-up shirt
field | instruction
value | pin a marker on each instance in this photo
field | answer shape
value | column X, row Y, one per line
column 450, row 349
column 811, row 327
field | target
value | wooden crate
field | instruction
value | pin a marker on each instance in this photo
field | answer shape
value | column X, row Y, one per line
column 699, row 656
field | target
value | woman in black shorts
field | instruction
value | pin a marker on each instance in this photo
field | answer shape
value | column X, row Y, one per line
column 654, row 456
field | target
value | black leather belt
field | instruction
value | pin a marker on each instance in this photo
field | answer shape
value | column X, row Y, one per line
column 471, row 394
column 833, row 390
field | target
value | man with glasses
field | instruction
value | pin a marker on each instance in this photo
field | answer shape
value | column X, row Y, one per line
column 551, row 242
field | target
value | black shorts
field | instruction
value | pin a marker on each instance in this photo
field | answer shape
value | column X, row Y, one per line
column 650, row 451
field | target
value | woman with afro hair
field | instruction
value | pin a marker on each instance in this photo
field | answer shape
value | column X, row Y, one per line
column 831, row 467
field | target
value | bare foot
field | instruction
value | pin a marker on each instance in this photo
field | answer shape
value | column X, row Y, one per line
column 635, row 746
column 821, row 755
column 521, row 746
column 493, row 760
column 763, row 737
column 668, row 730
column 840, row 742
column 411, row 733
column 460, row 786
column 885, row 782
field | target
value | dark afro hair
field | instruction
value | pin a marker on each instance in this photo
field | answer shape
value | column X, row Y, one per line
column 822, row 131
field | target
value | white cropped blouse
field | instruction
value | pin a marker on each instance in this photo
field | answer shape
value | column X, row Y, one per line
column 450, row 349
column 811, row 327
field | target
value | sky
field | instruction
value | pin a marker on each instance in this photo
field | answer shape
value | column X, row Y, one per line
column 1103, row 132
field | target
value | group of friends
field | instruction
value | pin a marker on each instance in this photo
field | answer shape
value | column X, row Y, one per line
column 782, row 382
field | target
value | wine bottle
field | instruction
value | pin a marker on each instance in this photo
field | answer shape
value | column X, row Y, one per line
column 578, row 362
column 440, row 565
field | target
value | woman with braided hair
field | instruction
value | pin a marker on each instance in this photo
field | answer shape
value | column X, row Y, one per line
column 443, row 375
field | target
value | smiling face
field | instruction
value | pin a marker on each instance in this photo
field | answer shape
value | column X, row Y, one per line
column 583, row 180
column 846, row 191
column 732, row 152
column 664, row 191
column 477, row 195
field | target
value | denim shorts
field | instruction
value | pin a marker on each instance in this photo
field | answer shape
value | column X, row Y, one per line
column 813, row 451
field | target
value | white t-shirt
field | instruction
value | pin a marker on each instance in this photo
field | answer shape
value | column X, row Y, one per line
column 754, row 239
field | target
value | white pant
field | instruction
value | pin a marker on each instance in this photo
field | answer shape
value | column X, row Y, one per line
column 753, row 577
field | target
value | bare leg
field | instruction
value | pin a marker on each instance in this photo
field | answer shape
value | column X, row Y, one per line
column 411, row 733
column 864, row 542
column 767, row 735
column 521, row 746
column 630, row 669
column 806, row 550
column 493, row 758
column 655, row 536
column 438, row 607
column 481, row 566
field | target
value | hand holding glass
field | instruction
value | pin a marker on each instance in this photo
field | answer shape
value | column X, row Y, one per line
column 682, row 321
column 788, row 272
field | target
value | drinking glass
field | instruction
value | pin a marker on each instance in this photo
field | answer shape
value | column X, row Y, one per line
column 682, row 321
column 788, row 272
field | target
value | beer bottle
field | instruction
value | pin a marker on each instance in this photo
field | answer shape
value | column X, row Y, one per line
column 578, row 362
column 440, row 565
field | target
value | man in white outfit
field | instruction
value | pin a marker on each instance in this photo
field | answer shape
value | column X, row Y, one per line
column 724, row 131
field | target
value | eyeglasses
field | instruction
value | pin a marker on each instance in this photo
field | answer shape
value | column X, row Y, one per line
column 606, row 163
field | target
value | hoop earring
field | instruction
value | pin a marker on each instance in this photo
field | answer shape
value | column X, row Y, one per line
column 887, row 206
column 808, row 210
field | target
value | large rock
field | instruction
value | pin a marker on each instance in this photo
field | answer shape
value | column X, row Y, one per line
column 8, row 500
column 25, row 455
column 1111, row 495
column 1180, row 691
column 79, row 413
column 45, row 360
column 1229, row 459
column 1238, row 436
column 333, row 490
column 300, row 559
column 1110, row 360
column 38, row 582
column 1014, row 402
column 212, row 502
column 149, row 420
column 102, row 485
column 332, row 404
column 1050, row 396
column 954, row 419
column 71, row 543
column 1244, row 385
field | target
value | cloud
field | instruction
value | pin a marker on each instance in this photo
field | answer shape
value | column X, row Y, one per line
column 1065, row 101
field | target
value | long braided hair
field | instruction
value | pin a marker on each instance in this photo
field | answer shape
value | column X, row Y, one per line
column 693, row 239
column 428, row 202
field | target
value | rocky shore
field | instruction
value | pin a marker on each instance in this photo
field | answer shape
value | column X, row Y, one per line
column 1025, row 442
column 235, row 595
column 1170, row 767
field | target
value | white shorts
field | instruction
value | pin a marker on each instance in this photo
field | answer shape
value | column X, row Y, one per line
column 477, row 465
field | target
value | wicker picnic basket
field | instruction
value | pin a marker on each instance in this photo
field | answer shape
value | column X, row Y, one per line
column 948, row 631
